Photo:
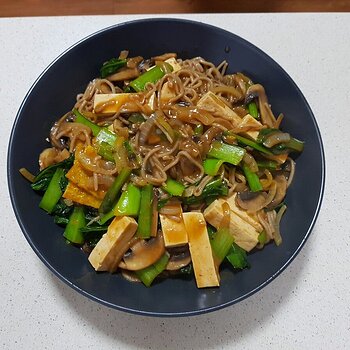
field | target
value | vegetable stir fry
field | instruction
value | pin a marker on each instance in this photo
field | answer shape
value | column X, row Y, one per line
column 168, row 167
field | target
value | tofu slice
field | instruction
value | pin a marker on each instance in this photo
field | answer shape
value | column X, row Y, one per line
column 215, row 105
column 251, row 219
column 249, row 120
column 110, row 249
column 174, row 232
column 245, row 235
column 172, row 61
column 205, row 270
column 78, row 195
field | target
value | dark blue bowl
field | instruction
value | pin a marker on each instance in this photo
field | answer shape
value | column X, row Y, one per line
column 53, row 94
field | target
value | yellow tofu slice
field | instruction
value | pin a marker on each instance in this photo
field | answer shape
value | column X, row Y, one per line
column 77, row 195
column 251, row 219
column 245, row 235
column 172, row 61
column 255, row 124
column 204, row 267
column 110, row 249
column 78, row 176
column 215, row 105
column 174, row 233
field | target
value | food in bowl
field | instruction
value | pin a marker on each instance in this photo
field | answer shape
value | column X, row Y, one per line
column 168, row 166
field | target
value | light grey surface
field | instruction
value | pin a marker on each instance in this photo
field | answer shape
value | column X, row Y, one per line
column 308, row 306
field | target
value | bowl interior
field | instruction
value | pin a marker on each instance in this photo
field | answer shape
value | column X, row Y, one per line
column 54, row 93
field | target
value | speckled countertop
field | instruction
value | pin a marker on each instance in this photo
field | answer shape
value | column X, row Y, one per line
column 307, row 307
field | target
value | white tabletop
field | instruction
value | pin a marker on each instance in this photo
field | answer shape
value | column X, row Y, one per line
column 307, row 307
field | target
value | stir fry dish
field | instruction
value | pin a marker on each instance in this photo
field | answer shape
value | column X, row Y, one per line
column 168, row 167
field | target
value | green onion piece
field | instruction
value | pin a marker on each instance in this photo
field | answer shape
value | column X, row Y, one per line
column 129, row 202
column 265, row 133
column 148, row 274
column 173, row 187
column 198, row 130
column 151, row 76
column 106, row 151
column 295, row 145
column 211, row 166
column 253, row 110
column 75, row 223
column 237, row 257
column 145, row 216
column 221, row 244
column 246, row 142
column 53, row 192
column 112, row 194
column 83, row 120
column 267, row 164
column 112, row 66
column 107, row 136
column 88, row 229
column 252, row 178
column 228, row 153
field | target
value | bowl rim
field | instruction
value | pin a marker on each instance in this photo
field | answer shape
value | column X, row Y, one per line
column 27, row 235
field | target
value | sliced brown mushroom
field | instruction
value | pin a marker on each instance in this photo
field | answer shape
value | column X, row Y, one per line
column 251, row 201
column 281, row 190
column 143, row 253
column 178, row 259
column 258, row 91
column 124, row 74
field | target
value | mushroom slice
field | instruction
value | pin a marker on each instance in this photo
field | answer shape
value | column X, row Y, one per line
column 179, row 259
column 258, row 91
column 251, row 201
column 124, row 74
column 144, row 253
column 281, row 190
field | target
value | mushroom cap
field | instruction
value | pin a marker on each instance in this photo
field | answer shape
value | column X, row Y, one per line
column 251, row 201
column 144, row 253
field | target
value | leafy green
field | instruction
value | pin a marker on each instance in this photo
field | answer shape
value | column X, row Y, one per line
column 42, row 180
column 112, row 66
column 215, row 188
column 237, row 257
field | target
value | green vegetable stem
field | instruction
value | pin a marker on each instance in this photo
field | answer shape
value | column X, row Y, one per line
column 76, row 221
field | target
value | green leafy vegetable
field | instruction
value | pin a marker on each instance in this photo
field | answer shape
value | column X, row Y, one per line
column 129, row 202
column 148, row 274
column 145, row 216
column 253, row 110
column 237, row 257
column 252, row 179
column 173, row 187
column 112, row 66
column 43, row 179
column 75, row 223
column 221, row 244
column 53, row 192
column 215, row 188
